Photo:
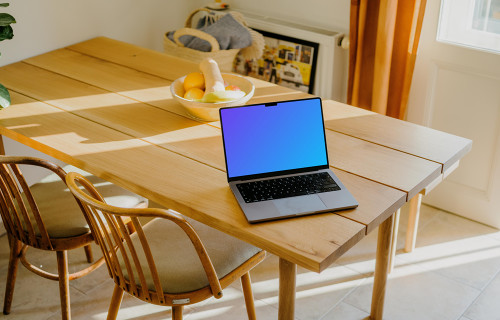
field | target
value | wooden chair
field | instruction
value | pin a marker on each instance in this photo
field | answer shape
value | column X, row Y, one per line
column 167, row 261
column 47, row 216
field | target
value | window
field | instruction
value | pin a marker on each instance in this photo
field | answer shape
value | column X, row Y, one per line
column 470, row 23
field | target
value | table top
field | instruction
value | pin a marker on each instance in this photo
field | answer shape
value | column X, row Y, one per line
column 105, row 106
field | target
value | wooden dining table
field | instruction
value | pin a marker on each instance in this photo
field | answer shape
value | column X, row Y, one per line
column 105, row 106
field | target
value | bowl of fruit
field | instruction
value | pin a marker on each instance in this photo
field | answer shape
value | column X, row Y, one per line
column 204, row 93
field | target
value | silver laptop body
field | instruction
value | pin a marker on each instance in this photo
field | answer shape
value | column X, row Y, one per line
column 276, row 141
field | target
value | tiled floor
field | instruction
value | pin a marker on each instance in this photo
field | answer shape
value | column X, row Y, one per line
column 453, row 274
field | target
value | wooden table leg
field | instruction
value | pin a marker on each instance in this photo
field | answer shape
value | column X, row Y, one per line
column 288, row 274
column 414, row 213
column 394, row 242
column 381, row 268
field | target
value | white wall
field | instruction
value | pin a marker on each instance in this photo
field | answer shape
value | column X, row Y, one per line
column 44, row 25
column 327, row 14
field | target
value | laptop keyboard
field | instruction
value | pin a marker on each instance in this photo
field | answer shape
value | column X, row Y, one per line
column 278, row 188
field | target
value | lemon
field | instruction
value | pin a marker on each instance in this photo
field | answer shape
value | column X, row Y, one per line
column 194, row 94
column 194, row 80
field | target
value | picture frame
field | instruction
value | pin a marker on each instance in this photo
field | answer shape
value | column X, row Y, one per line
column 287, row 61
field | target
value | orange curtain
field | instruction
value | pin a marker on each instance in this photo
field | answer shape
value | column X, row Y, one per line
column 383, row 39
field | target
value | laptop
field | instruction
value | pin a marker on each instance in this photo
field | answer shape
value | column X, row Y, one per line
column 277, row 161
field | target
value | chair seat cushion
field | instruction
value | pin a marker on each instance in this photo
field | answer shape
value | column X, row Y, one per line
column 59, row 210
column 179, row 267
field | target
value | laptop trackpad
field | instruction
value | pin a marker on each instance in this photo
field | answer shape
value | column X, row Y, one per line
column 301, row 204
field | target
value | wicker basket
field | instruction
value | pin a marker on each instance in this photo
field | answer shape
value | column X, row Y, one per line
column 175, row 48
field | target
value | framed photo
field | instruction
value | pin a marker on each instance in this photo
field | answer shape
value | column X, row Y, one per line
column 286, row 61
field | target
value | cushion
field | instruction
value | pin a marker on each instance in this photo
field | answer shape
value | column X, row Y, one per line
column 59, row 210
column 178, row 265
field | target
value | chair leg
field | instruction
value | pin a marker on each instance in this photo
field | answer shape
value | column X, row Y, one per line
column 15, row 250
column 248, row 294
column 116, row 301
column 177, row 312
column 88, row 253
column 62, row 268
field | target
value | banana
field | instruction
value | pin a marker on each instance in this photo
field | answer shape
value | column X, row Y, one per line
column 222, row 96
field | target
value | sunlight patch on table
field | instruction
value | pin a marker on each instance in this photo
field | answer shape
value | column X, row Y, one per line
column 91, row 101
column 86, row 145
column 333, row 110
column 24, row 126
column 148, row 94
column 187, row 134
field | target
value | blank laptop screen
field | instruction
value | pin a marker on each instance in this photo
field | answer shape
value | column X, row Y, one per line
column 260, row 139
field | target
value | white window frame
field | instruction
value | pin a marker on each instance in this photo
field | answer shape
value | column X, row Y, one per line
column 456, row 27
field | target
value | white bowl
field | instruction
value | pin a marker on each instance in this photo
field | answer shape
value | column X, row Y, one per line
column 210, row 111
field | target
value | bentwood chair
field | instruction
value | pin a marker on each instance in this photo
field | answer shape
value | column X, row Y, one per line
column 168, row 261
column 47, row 216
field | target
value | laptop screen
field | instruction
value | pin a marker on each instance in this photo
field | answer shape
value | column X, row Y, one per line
column 285, row 136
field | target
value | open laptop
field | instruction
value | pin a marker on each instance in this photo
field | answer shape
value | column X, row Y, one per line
column 269, row 147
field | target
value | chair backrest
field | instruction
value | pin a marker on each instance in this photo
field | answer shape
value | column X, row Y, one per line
column 122, row 256
column 18, row 208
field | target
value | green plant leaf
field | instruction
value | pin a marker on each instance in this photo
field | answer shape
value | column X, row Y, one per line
column 6, row 19
column 4, row 4
column 6, row 33
column 4, row 97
